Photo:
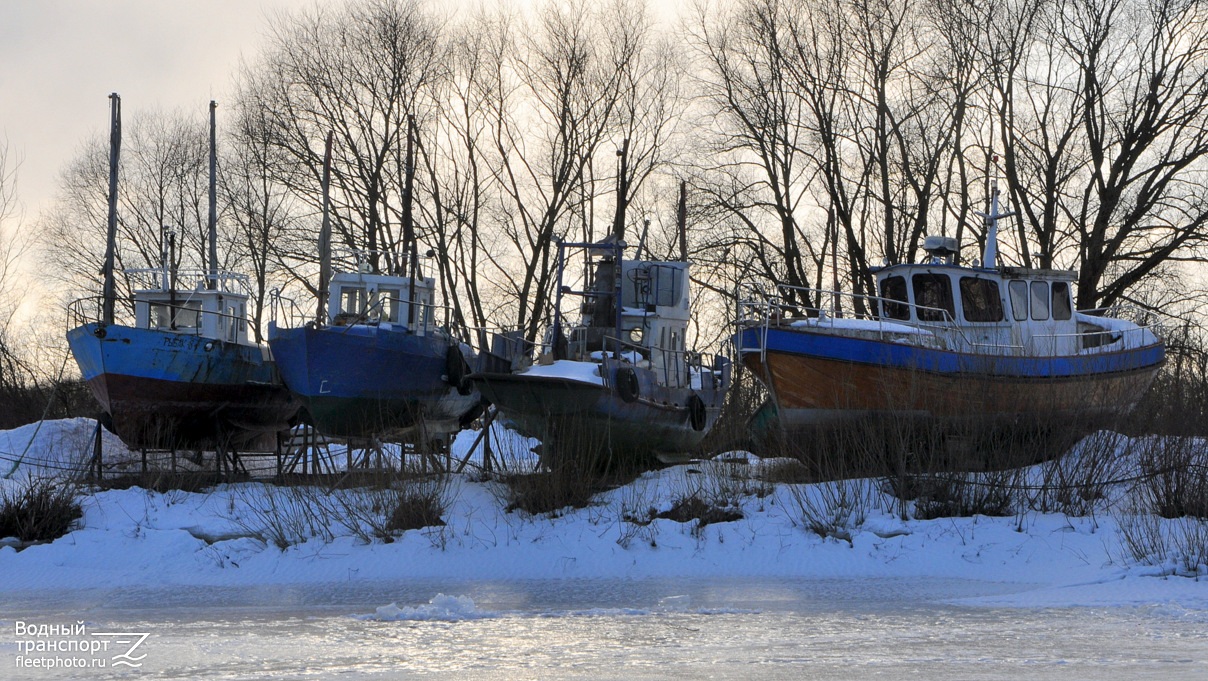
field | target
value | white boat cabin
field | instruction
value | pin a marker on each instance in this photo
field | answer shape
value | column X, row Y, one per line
column 655, row 309
column 655, row 305
column 382, row 300
column 1027, row 311
column 195, row 308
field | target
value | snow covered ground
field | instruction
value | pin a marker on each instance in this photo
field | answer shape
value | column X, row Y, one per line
column 146, row 539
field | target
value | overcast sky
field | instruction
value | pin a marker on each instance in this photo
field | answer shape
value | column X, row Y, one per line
column 60, row 59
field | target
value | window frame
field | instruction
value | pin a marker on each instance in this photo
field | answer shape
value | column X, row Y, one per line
column 1019, row 312
column 1043, row 300
column 933, row 313
column 891, row 304
column 991, row 297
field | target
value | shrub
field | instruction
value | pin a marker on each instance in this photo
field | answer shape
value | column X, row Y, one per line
column 575, row 465
column 833, row 509
column 955, row 495
column 281, row 516
column 1174, row 476
column 40, row 510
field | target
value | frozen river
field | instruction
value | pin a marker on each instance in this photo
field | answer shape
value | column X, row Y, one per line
column 721, row 629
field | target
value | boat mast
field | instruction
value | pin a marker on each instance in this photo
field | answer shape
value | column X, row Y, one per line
column 109, row 293
column 618, row 233
column 990, row 255
column 325, row 237
column 213, row 235
column 618, row 218
column 681, row 220
column 409, row 245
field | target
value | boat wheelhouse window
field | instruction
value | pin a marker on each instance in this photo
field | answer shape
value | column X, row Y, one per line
column 390, row 303
column 353, row 300
column 1019, row 299
column 1040, row 301
column 980, row 301
column 188, row 315
column 933, row 297
column 1062, row 309
column 893, row 292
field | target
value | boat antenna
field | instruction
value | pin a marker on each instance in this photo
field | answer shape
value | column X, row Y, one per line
column 109, row 294
column 618, row 220
column 213, row 199
column 681, row 220
column 169, row 235
column 409, row 245
column 642, row 241
column 325, row 235
column 990, row 255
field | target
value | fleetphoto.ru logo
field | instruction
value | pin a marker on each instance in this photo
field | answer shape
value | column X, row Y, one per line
column 59, row 646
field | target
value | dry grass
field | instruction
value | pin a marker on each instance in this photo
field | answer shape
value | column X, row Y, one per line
column 41, row 509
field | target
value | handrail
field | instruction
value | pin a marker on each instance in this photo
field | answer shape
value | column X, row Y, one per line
column 149, row 279
column 295, row 316
column 78, row 316
column 761, row 310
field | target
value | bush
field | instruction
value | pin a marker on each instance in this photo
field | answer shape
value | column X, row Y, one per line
column 965, row 495
column 575, row 465
column 834, row 509
column 40, row 510
column 281, row 516
column 381, row 513
column 1174, row 472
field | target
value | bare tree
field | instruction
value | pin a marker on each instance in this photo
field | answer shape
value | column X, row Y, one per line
column 261, row 215
column 164, row 180
column 17, row 373
column 551, row 101
column 359, row 71
column 760, row 177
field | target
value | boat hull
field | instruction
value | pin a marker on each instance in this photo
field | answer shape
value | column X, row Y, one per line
column 577, row 415
column 819, row 379
column 372, row 382
column 167, row 390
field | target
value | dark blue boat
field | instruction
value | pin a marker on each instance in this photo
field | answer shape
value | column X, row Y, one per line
column 374, row 364
column 374, row 369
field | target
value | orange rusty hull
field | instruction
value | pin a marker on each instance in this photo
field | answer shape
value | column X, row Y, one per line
column 816, row 391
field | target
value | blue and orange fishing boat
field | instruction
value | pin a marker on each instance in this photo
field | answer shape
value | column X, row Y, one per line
column 947, row 344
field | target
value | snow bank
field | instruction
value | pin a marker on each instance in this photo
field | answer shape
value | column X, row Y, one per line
column 57, row 448
column 141, row 538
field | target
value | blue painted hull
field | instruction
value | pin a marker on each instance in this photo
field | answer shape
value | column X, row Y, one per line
column 824, row 377
column 365, row 381
column 170, row 390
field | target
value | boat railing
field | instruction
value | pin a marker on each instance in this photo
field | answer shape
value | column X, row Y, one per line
column 286, row 312
column 190, row 320
column 510, row 352
column 85, row 311
column 672, row 368
column 760, row 309
column 160, row 279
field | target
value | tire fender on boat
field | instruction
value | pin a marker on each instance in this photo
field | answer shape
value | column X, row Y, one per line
column 697, row 415
column 627, row 384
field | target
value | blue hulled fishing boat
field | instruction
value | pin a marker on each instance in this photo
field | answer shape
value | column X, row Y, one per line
column 375, row 364
column 185, row 374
